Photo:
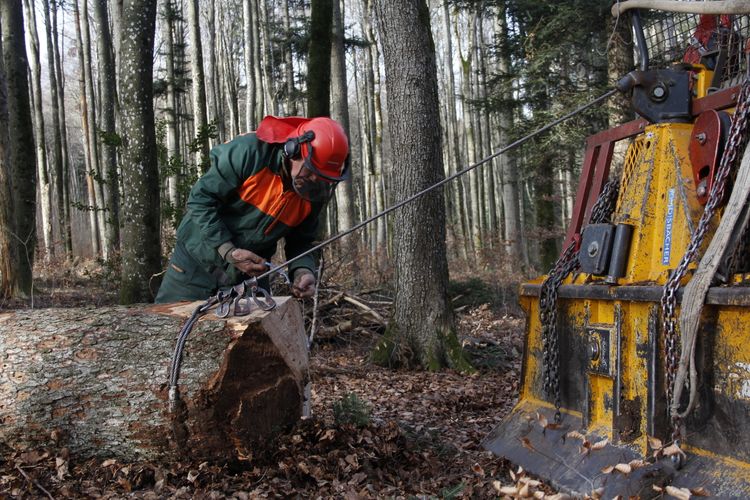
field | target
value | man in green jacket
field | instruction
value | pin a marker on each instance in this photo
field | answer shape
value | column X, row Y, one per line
column 261, row 187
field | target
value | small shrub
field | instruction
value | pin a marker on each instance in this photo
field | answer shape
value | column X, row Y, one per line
column 350, row 409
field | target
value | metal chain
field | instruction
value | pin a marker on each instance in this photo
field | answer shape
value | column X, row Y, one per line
column 668, row 302
column 566, row 264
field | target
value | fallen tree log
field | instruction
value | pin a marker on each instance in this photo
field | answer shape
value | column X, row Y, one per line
column 96, row 380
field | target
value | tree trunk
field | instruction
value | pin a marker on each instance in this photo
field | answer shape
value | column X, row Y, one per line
column 373, row 127
column 45, row 194
column 8, row 250
column 230, row 85
column 260, row 104
column 619, row 63
column 340, row 112
column 173, row 136
column 422, row 331
column 473, row 203
column 111, row 201
column 490, row 194
column 545, row 215
column 455, row 196
column 319, row 59
column 22, row 156
column 512, row 220
column 116, row 11
column 268, row 67
column 96, row 165
column 250, row 99
column 200, row 127
column 88, row 145
column 99, row 379
column 215, row 110
column 56, row 162
column 63, row 170
column 290, row 91
column 141, row 248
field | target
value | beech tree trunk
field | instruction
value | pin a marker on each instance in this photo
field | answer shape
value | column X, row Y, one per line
column 63, row 170
column 56, row 156
column 423, row 330
column 340, row 111
column 319, row 59
column 172, row 111
column 250, row 99
column 8, row 250
column 200, row 132
column 21, row 158
column 98, row 380
column 110, row 182
column 45, row 200
column 141, row 238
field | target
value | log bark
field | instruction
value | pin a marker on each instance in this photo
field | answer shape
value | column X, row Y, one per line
column 96, row 381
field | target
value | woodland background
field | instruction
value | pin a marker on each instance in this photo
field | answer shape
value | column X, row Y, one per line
column 504, row 68
column 108, row 109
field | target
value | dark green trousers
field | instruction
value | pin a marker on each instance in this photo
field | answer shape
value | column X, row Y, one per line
column 186, row 279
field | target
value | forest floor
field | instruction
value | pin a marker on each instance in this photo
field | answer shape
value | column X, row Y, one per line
column 374, row 431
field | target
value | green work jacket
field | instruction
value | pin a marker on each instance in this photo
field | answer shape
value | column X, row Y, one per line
column 242, row 199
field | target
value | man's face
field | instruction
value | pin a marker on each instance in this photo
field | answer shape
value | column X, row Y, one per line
column 307, row 184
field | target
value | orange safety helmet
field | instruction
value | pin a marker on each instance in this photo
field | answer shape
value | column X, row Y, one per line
column 321, row 141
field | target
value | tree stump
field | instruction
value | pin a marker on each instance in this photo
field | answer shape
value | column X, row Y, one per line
column 96, row 380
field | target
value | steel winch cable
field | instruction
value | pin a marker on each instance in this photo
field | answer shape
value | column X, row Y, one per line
column 252, row 283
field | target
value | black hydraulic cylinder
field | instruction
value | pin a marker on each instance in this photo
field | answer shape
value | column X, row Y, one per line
column 640, row 39
column 620, row 252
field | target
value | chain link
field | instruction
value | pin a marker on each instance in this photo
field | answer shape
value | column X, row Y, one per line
column 668, row 302
column 565, row 265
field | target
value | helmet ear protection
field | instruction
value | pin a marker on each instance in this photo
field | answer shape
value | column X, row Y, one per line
column 293, row 145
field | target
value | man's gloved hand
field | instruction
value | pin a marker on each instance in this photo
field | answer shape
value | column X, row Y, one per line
column 247, row 262
column 304, row 283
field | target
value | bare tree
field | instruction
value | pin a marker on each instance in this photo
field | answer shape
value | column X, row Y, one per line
column 260, row 101
column 457, row 198
column 268, row 63
column 200, row 121
column 374, row 124
column 88, row 122
column 215, row 100
column 56, row 160
column 340, row 111
column 22, row 152
column 250, row 94
column 111, row 201
column 319, row 59
column 619, row 62
column 423, row 330
column 45, row 198
column 291, row 102
column 510, row 187
column 141, row 247
column 8, row 252
column 173, row 137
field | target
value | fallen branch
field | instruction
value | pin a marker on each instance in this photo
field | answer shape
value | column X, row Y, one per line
column 338, row 329
column 364, row 307
column 35, row 483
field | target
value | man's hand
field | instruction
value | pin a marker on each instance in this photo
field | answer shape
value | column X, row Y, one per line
column 248, row 262
column 304, row 283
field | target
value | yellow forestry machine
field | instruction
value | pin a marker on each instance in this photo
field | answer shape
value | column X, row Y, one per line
column 636, row 367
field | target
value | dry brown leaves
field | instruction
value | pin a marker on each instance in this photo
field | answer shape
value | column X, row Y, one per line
column 422, row 440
